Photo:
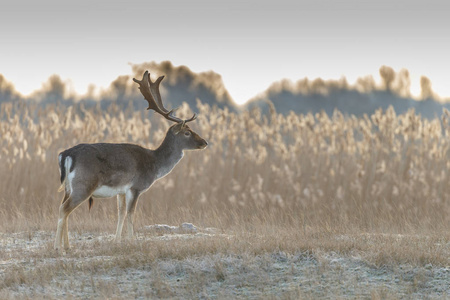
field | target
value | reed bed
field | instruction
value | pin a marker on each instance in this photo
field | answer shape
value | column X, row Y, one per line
column 379, row 173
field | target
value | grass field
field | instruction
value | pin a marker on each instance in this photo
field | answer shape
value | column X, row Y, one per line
column 296, row 206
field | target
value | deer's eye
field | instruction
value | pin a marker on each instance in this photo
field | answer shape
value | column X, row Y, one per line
column 187, row 133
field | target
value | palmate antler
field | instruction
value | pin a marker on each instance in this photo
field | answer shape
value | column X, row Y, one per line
column 150, row 91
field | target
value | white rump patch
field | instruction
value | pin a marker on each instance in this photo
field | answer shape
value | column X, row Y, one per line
column 69, row 175
column 105, row 191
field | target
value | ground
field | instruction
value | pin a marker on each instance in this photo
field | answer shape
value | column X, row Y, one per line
column 163, row 263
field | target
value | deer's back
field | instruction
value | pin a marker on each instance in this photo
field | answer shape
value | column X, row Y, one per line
column 109, row 164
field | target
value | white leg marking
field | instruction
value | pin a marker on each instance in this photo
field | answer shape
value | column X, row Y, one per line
column 122, row 211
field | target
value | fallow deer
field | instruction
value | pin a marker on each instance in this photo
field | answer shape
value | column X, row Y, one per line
column 124, row 170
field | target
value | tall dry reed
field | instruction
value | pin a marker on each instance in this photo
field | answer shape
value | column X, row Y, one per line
column 379, row 173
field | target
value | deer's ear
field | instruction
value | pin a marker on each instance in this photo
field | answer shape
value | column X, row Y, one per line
column 177, row 128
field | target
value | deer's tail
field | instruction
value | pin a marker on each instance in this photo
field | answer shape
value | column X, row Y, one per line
column 65, row 164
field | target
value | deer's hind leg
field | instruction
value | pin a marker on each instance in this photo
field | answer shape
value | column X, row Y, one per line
column 70, row 202
column 61, row 222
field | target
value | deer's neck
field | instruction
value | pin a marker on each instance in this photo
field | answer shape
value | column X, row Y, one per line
column 167, row 155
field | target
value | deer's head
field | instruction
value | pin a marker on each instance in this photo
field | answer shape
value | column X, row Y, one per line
column 180, row 133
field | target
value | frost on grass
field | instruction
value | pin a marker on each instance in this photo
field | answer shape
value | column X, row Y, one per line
column 174, row 264
column 183, row 228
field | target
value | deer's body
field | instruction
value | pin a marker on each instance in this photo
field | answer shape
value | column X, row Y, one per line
column 114, row 167
column 124, row 170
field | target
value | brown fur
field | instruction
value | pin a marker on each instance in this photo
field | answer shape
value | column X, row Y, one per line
column 120, row 166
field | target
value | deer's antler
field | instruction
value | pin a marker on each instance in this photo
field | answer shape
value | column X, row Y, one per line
column 150, row 91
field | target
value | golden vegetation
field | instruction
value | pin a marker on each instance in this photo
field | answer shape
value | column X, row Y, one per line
column 375, row 187
column 381, row 173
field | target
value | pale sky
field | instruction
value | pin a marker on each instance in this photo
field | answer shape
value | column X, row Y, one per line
column 249, row 43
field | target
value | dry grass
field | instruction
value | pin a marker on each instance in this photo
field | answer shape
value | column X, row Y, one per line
column 374, row 188
column 243, row 265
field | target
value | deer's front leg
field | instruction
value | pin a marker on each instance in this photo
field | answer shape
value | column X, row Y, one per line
column 122, row 211
column 131, row 199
